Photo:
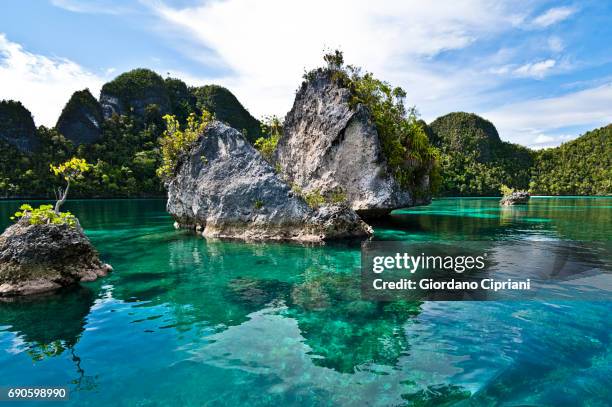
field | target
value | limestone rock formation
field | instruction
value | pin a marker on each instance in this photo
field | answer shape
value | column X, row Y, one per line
column 225, row 188
column 460, row 131
column 132, row 92
column 81, row 119
column 17, row 126
column 330, row 146
column 516, row 198
column 227, row 108
column 39, row 258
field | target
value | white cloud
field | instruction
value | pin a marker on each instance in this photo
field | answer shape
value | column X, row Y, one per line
column 553, row 16
column 543, row 139
column 266, row 45
column 535, row 69
column 92, row 6
column 555, row 44
column 528, row 122
column 41, row 83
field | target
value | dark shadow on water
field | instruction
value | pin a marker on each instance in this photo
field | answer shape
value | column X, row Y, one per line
column 51, row 324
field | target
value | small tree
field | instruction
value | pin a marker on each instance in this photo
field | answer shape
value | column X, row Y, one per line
column 272, row 127
column 71, row 170
column 506, row 190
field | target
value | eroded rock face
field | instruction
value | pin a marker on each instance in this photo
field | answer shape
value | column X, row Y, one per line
column 226, row 189
column 132, row 92
column 329, row 146
column 39, row 258
column 81, row 119
column 516, row 198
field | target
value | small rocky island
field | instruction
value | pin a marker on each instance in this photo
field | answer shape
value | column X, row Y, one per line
column 224, row 188
column 36, row 258
column 46, row 249
column 330, row 166
column 515, row 198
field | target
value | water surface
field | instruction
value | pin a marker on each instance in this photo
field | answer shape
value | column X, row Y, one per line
column 186, row 321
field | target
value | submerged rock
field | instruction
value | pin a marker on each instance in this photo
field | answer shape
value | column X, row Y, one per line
column 330, row 146
column 81, row 119
column 516, row 198
column 39, row 258
column 225, row 188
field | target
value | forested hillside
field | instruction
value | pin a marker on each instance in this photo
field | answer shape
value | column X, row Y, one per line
column 578, row 167
column 474, row 160
column 117, row 133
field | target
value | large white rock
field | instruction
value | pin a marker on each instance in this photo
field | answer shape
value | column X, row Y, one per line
column 225, row 188
column 328, row 145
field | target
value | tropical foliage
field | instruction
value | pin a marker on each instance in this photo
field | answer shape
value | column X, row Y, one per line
column 175, row 141
column 70, row 171
column 578, row 167
column 405, row 144
column 44, row 214
column 474, row 161
column 272, row 128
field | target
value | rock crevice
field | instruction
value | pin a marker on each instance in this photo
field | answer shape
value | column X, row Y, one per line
column 328, row 145
column 225, row 188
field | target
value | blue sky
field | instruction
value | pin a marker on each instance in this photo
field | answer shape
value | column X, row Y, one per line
column 541, row 71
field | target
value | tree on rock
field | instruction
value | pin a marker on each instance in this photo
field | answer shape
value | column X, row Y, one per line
column 71, row 171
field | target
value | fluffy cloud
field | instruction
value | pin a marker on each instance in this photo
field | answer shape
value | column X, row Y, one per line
column 535, row 69
column 553, row 16
column 42, row 84
column 266, row 45
column 535, row 122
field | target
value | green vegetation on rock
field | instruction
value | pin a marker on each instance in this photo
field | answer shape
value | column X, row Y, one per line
column 272, row 128
column 17, row 126
column 404, row 142
column 579, row 167
column 175, row 142
column 44, row 214
column 81, row 119
column 134, row 91
column 474, row 161
column 226, row 108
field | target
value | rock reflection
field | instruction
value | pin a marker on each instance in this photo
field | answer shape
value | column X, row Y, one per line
column 342, row 330
column 51, row 325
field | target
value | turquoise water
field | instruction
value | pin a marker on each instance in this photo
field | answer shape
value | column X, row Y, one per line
column 186, row 321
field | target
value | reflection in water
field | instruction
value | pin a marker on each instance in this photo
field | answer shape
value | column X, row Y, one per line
column 51, row 324
column 187, row 321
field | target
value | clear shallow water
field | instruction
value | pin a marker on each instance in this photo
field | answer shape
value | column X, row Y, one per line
column 185, row 321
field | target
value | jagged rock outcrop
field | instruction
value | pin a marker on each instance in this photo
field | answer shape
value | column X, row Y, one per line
column 131, row 93
column 226, row 108
column 81, row 119
column 39, row 258
column 516, row 198
column 330, row 146
column 17, row 126
column 224, row 188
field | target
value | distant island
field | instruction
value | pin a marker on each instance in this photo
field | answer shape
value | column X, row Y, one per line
column 119, row 133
